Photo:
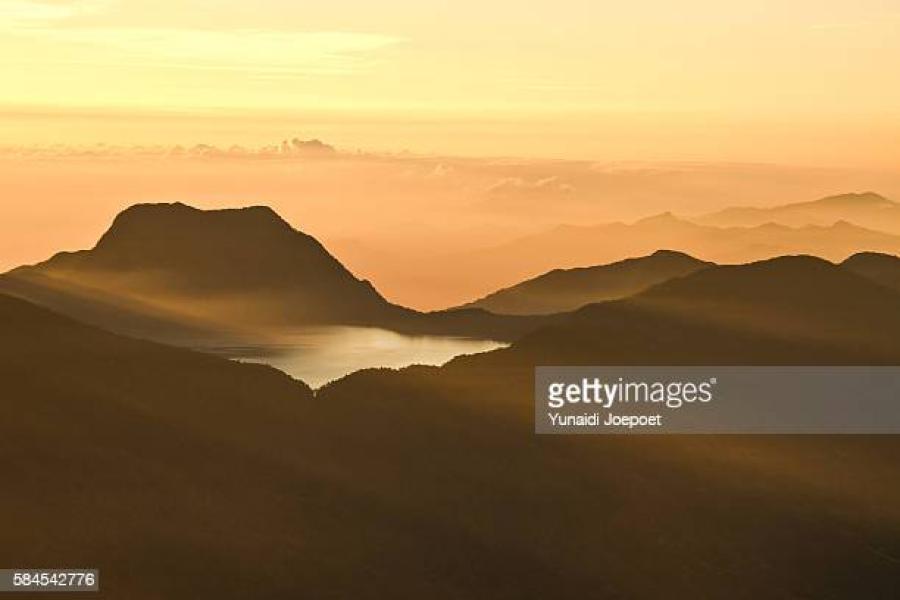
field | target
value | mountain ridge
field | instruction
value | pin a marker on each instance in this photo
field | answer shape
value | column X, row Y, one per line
column 575, row 246
column 788, row 310
column 563, row 290
column 881, row 268
column 866, row 209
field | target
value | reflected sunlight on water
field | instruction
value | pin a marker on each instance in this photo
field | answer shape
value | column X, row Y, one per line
column 317, row 355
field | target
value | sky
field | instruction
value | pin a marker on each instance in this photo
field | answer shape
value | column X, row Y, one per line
column 459, row 125
column 808, row 82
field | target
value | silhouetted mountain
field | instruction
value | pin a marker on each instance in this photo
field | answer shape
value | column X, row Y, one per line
column 222, row 265
column 195, row 477
column 661, row 516
column 772, row 496
column 174, row 273
column 880, row 268
column 789, row 310
column 224, row 251
column 564, row 290
column 577, row 246
column 868, row 209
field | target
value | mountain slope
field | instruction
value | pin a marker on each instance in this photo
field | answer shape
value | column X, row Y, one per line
column 563, row 290
column 792, row 297
column 880, row 268
column 867, row 209
column 196, row 477
column 243, row 263
column 181, row 475
column 819, row 513
column 173, row 273
column 789, row 310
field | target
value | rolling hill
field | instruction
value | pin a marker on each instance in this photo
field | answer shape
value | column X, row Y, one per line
column 788, row 310
column 881, row 268
column 564, row 290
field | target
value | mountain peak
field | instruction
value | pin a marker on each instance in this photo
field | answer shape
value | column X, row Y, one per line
column 664, row 218
column 883, row 269
column 663, row 253
column 868, row 210
column 240, row 256
column 154, row 226
column 871, row 256
column 169, row 213
column 672, row 256
column 857, row 199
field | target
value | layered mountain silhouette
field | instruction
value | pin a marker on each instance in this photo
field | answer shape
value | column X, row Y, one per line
column 564, row 290
column 788, row 310
column 866, row 209
column 193, row 476
column 881, row 268
column 175, row 273
column 578, row 246
column 794, row 298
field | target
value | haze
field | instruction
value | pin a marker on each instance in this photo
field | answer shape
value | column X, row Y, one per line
column 613, row 112
column 802, row 81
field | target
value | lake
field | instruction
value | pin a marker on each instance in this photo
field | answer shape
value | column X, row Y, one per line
column 317, row 355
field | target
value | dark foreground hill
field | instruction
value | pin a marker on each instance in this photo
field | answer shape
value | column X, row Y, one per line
column 880, row 268
column 564, row 290
column 657, row 517
column 789, row 310
column 181, row 475
column 184, row 476
column 177, row 274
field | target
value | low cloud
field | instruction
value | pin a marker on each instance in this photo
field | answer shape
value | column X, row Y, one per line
column 515, row 186
column 294, row 148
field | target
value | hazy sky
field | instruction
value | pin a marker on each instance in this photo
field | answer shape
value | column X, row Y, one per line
column 519, row 116
column 802, row 81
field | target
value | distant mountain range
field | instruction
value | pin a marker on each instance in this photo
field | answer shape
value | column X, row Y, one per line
column 472, row 267
column 571, row 246
column 869, row 210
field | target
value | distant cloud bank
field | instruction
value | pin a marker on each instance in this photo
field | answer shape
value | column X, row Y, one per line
column 292, row 148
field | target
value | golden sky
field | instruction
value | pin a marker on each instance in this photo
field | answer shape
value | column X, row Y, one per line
column 802, row 81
